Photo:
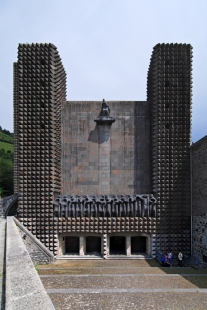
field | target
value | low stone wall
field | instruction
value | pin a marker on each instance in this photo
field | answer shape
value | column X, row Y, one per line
column 2, row 260
column 24, row 289
column 37, row 251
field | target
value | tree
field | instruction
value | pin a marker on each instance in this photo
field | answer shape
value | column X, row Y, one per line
column 6, row 174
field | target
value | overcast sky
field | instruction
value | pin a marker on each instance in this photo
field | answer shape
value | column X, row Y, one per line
column 105, row 46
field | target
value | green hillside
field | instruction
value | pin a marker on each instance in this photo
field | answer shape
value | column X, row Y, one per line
column 6, row 138
column 6, row 162
column 9, row 148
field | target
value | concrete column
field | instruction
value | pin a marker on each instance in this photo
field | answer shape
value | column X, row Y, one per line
column 148, row 245
column 128, row 246
column 61, row 247
column 104, row 158
column 104, row 244
column 82, row 246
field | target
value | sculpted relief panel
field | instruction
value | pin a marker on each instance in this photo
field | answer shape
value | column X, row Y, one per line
column 105, row 206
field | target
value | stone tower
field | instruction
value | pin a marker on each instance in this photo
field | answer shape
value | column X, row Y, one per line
column 169, row 93
column 39, row 92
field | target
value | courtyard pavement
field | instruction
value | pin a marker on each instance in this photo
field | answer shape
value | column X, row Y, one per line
column 123, row 284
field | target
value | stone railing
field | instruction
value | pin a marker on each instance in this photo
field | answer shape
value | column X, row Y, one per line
column 105, row 206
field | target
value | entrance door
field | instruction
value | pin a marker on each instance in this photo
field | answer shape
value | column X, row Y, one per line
column 93, row 245
column 117, row 245
column 72, row 245
column 138, row 244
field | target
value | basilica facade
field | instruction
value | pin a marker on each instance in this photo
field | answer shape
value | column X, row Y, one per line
column 104, row 178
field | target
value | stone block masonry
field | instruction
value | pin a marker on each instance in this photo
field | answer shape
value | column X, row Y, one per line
column 199, row 200
column 105, row 159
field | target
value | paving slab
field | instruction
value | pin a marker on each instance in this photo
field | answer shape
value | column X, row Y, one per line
column 124, row 285
column 117, row 282
column 119, row 270
column 125, row 301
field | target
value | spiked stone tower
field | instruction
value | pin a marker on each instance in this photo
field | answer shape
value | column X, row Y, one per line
column 39, row 91
column 169, row 93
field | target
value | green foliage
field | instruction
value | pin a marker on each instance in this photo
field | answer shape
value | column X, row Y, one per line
column 6, row 138
column 6, row 175
column 6, row 162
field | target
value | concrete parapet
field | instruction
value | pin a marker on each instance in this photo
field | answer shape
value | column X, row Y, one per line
column 2, row 258
column 24, row 289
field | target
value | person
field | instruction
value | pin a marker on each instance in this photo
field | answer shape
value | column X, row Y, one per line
column 180, row 258
column 170, row 258
column 166, row 263
column 162, row 261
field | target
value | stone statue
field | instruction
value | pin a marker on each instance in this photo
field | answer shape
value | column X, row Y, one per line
column 105, row 206
column 105, row 110
column 104, row 116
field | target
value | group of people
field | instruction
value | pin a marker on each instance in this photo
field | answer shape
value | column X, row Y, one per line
column 166, row 259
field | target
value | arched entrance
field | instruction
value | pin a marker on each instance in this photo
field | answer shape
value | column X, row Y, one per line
column 12, row 210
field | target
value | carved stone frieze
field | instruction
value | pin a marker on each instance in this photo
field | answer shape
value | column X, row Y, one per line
column 105, row 206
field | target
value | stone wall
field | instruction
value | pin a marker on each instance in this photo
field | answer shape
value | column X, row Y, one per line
column 199, row 200
column 200, row 239
column 126, row 160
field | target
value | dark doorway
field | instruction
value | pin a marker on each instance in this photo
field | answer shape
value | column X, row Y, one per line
column 138, row 245
column 117, row 245
column 93, row 245
column 72, row 245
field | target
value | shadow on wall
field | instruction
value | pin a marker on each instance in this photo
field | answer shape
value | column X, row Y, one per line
column 100, row 134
